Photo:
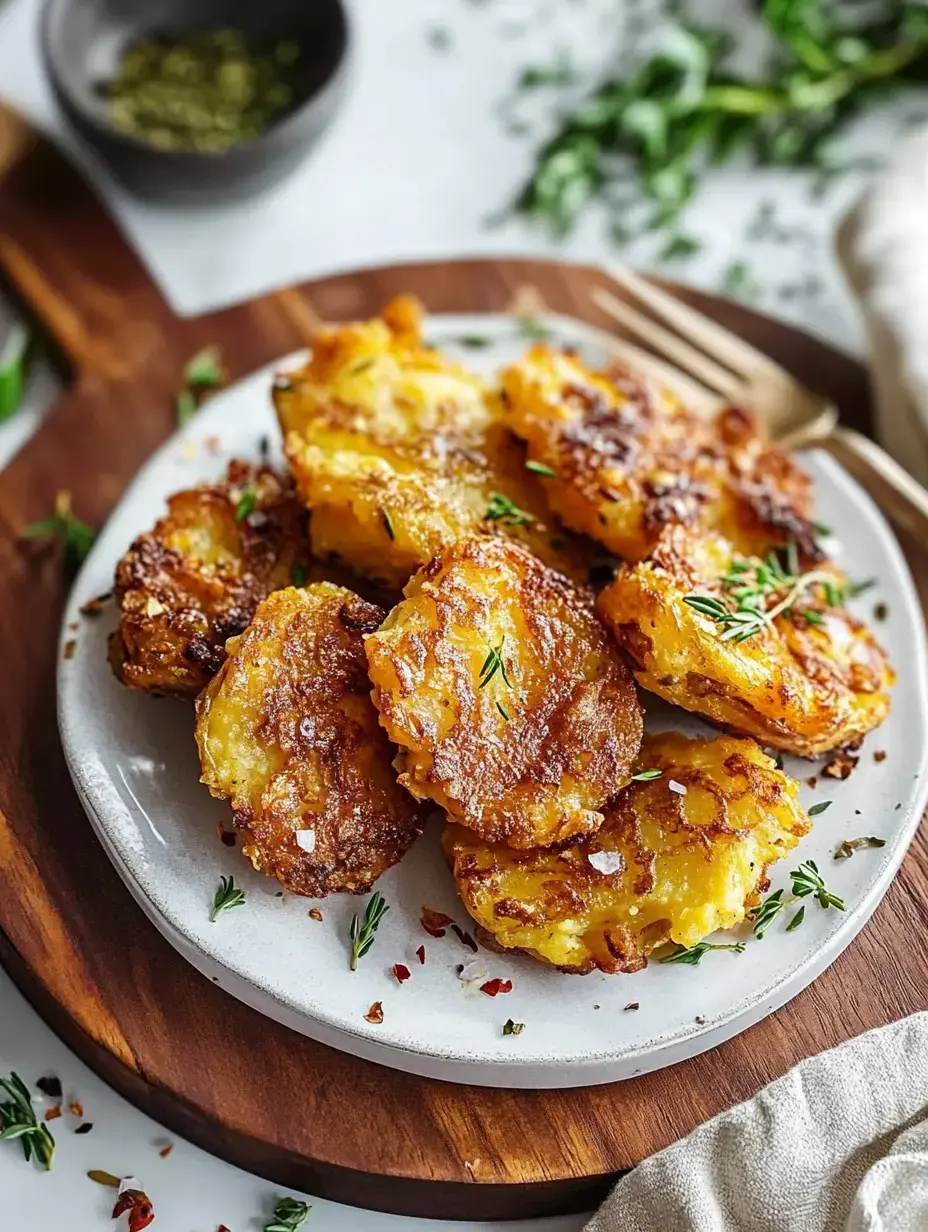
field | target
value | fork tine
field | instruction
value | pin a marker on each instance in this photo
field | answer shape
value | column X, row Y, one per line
column 740, row 356
column 693, row 362
column 699, row 399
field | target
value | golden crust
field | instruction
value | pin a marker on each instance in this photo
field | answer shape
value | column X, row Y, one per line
column 629, row 459
column 804, row 687
column 687, row 865
column 574, row 723
column 398, row 452
column 287, row 732
column 197, row 576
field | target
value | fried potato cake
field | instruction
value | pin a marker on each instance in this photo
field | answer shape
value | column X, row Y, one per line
column 664, row 866
column 398, row 451
column 197, row 576
column 288, row 733
column 628, row 459
column 511, row 707
column 813, row 680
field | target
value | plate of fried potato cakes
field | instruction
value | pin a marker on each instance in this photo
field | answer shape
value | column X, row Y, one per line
column 459, row 698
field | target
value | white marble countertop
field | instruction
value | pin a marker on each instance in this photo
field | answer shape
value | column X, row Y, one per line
column 412, row 167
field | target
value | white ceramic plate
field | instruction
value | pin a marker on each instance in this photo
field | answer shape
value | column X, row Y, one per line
column 134, row 764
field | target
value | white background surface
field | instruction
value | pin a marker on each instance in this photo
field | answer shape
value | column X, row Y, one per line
column 412, row 167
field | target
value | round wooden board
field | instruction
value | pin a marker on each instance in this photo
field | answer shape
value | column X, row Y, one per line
column 198, row 1061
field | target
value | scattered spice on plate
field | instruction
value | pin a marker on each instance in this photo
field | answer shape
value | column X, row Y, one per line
column 845, row 850
column 103, row 1178
column 464, row 938
column 496, row 986
column 513, row 1028
column 434, row 922
column 69, row 647
column 375, row 1013
column 166, row 1150
column 633, row 1005
column 401, row 973
column 361, row 933
column 879, row 754
column 420, row 954
column 94, row 607
column 881, row 611
column 52, row 1114
column 812, row 781
column 76, row 1108
column 699, row 1020
column 85, row 1128
column 227, row 837
column 314, row 913
column 50, row 1087
column 138, row 1206
column 842, row 764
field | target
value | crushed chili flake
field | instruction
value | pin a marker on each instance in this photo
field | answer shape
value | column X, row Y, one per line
column 314, row 913
column 166, row 1150
column 85, row 1128
column 494, row 987
column 513, row 1028
column 401, row 972
column 69, row 647
column 50, row 1087
column 103, row 1178
column 76, row 1108
column 464, row 938
column 420, row 954
column 434, row 922
column 375, row 1013
column 812, row 781
column 879, row 754
column 222, row 1228
column 53, row 1113
column 633, row 1005
column 93, row 607
column 138, row 1206
column 227, row 836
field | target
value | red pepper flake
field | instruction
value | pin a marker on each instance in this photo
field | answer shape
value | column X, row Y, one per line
column 314, row 913
column 222, row 1228
column 53, row 1113
column 93, row 607
column 138, row 1206
column 166, row 1150
column 434, row 922
column 401, row 972
column 50, row 1087
column 226, row 836
column 494, row 987
column 76, row 1108
column 812, row 781
column 69, row 647
column 464, row 938
column 375, row 1013
column 420, row 954
column 633, row 1005
column 85, row 1128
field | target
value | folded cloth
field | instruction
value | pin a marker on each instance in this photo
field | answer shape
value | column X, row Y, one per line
column 883, row 248
column 838, row 1144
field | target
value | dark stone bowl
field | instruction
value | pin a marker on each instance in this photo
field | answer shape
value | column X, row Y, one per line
column 82, row 41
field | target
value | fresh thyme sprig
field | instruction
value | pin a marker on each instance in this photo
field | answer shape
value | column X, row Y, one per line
column 289, row 1214
column 226, row 897
column 806, row 880
column 692, row 955
column 362, row 932
column 502, row 509
column 77, row 536
column 493, row 663
column 18, row 1120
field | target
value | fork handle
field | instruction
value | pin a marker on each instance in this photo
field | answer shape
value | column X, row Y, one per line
column 900, row 496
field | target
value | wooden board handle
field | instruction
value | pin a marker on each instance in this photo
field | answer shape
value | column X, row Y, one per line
column 68, row 261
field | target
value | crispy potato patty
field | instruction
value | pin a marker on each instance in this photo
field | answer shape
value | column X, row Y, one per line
column 398, row 451
column 664, row 866
column 511, row 707
column 288, row 733
column 808, row 684
column 628, row 459
column 197, row 576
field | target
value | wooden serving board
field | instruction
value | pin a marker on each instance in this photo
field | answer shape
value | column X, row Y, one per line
column 208, row 1067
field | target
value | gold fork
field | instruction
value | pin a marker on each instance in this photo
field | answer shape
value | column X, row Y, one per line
column 709, row 367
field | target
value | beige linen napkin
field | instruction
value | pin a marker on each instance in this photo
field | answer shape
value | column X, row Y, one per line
column 838, row 1144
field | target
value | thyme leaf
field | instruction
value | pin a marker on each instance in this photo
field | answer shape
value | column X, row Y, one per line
column 692, row 955
column 361, row 933
column 227, row 896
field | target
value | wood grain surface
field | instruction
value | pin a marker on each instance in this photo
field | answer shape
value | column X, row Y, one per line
column 166, row 1037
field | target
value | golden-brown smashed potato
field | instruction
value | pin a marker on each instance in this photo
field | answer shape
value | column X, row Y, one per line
column 288, row 733
column 398, row 451
column 629, row 459
column 664, row 867
column 808, row 683
column 511, row 707
column 197, row 576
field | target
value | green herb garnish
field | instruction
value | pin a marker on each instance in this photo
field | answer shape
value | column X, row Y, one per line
column 796, row 920
column 77, row 537
column 362, row 932
column 819, row 808
column 226, row 897
column 289, row 1214
column 807, row 880
column 678, row 248
column 766, row 912
column 533, row 329
column 502, row 509
column 185, row 407
column 513, row 1028
column 18, row 1121
column 493, row 663
column 298, row 575
column 204, row 370
column 692, row 955
column 246, row 505
column 504, row 712
column 645, row 776
column 388, row 525
column 845, row 850
column 13, row 370
column 539, row 468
